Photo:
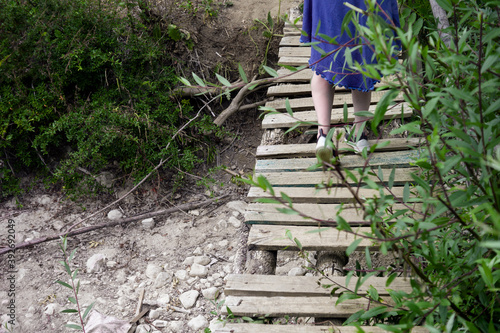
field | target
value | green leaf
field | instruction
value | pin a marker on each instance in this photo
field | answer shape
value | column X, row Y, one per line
column 69, row 311
column 346, row 295
column 72, row 300
column 64, row 284
column 373, row 312
column 270, row 71
column 242, row 73
column 87, row 310
column 73, row 326
column 268, row 201
column 346, row 113
column 406, row 192
column 184, row 81
column 381, row 108
column 288, row 107
column 391, row 178
column 223, row 80
column 373, row 293
column 198, row 80
column 299, row 244
column 72, row 255
column 368, row 258
column 353, row 246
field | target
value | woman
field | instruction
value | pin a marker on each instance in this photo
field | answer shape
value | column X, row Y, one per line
column 326, row 17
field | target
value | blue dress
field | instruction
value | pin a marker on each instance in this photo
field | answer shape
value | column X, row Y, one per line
column 328, row 16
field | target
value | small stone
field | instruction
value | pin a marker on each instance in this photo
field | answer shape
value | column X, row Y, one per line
column 223, row 243
column 202, row 260
column 297, row 271
column 148, row 223
column 176, row 326
column 143, row 328
column 222, row 225
column 198, row 251
column 239, row 206
column 160, row 323
column 152, row 271
column 198, row 270
column 209, row 247
column 58, row 225
column 115, row 214
column 164, row 300
column 194, row 212
column 210, row 293
column 188, row 299
column 216, row 324
column 154, row 314
column 234, row 222
column 162, row 279
column 96, row 263
column 51, row 309
column 111, row 264
column 188, row 261
column 198, row 323
column 181, row 274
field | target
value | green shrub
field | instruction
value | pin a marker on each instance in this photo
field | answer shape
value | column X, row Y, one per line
column 83, row 87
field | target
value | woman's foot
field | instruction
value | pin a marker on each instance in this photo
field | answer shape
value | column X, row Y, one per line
column 357, row 144
column 324, row 149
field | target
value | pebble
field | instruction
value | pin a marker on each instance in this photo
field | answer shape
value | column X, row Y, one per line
column 160, row 323
column 188, row 261
column 58, row 225
column 188, row 299
column 163, row 300
column 143, row 328
column 223, row 243
column 198, row 270
column 115, row 214
column 111, row 264
column 210, row 293
column 198, row 251
column 181, row 274
column 297, row 271
column 194, row 212
column 154, row 314
column 176, row 326
column 96, row 263
column 234, row 222
column 148, row 223
column 221, row 225
column 202, row 260
column 152, row 271
column 239, row 206
column 51, row 309
column 162, row 279
column 198, row 323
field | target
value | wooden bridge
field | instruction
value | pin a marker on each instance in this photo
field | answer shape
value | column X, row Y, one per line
column 286, row 168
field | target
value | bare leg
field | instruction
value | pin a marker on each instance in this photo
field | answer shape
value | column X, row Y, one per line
column 361, row 101
column 322, row 95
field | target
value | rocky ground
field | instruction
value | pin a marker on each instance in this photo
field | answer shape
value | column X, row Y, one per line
column 177, row 261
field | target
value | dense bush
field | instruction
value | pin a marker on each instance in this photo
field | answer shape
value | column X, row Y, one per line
column 83, row 84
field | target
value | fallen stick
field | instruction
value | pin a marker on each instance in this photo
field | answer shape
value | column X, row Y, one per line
column 79, row 231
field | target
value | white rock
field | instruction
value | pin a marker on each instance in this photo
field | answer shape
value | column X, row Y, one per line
column 234, row 222
column 188, row 261
column 181, row 274
column 239, row 206
column 202, row 260
column 216, row 324
column 115, row 214
column 198, row 251
column 198, row 323
column 154, row 314
column 188, row 299
column 163, row 300
column 43, row 200
column 162, row 279
column 143, row 328
column 221, row 225
column 297, row 271
column 58, row 225
column 210, row 293
column 176, row 326
column 223, row 243
column 111, row 263
column 209, row 247
column 148, row 223
column 152, row 271
column 192, row 280
column 194, row 212
column 198, row 270
column 51, row 309
column 160, row 323
column 228, row 269
column 96, row 263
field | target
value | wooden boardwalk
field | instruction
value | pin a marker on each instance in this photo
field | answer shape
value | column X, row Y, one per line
column 288, row 169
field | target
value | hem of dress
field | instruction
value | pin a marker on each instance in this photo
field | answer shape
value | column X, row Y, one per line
column 343, row 85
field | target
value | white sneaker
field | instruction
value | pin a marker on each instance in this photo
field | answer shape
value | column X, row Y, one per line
column 358, row 145
column 324, row 150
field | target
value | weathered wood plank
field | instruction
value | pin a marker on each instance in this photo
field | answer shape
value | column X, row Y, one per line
column 275, row 285
column 258, row 213
column 284, row 120
column 293, row 306
column 304, row 51
column 306, row 103
column 308, row 149
column 290, row 89
column 252, row 328
column 333, row 195
column 293, row 61
column 401, row 176
column 272, row 238
column 385, row 160
column 290, row 41
column 305, row 75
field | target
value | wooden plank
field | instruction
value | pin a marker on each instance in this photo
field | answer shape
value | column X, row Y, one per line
column 385, row 160
column 308, row 118
column 308, row 149
column 272, row 238
column 276, row 285
column 306, row 103
column 304, row 51
column 332, row 195
column 401, row 176
column 290, row 41
column 291, row 328
column 293, row 61
column 293, row 306
column 258, row 213
column 305, row 75
column 288, row 89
